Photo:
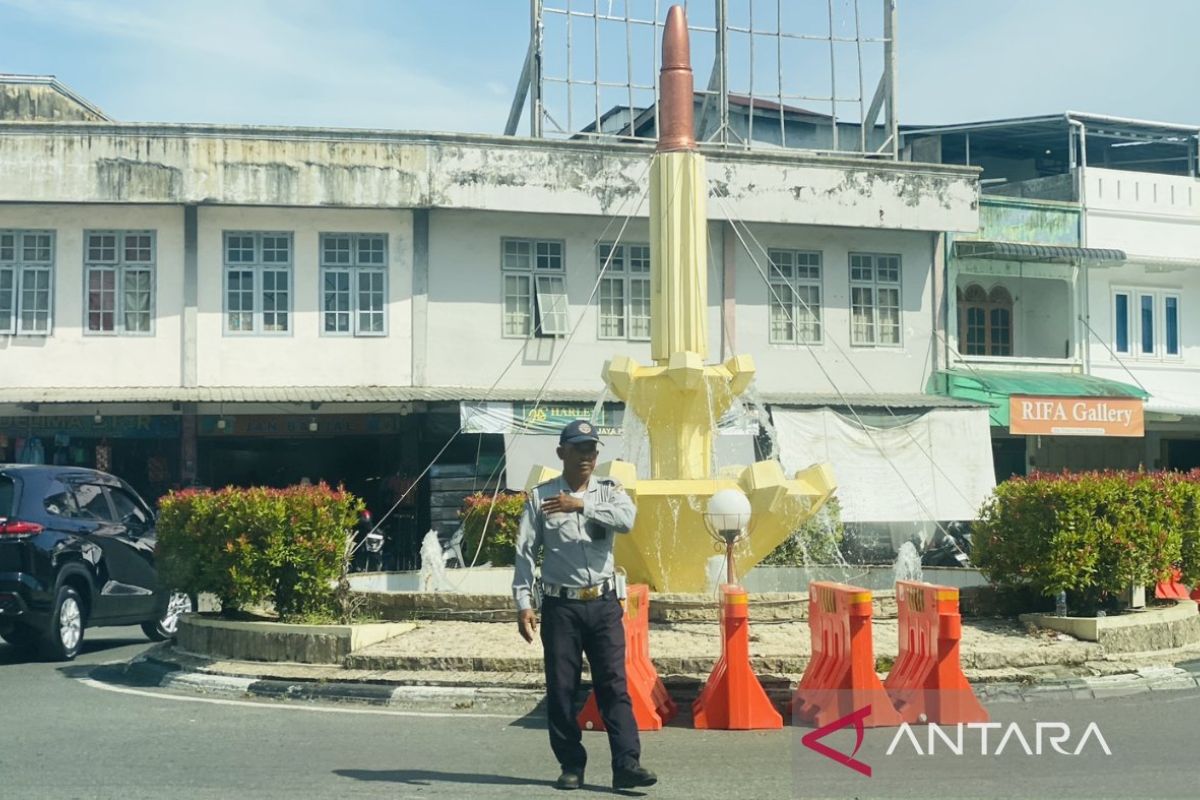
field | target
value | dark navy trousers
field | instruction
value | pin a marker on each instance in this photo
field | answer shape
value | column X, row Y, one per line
column 571, row 628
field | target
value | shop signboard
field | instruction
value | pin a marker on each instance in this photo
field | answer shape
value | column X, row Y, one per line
column 91, row 427
column 553, row 417
column 539, row 418
column 550, row 418
column 1076, row 416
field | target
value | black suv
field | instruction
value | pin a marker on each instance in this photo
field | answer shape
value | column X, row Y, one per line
column 77, row 551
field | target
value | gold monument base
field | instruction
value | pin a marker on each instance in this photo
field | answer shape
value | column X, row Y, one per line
column 670, row 545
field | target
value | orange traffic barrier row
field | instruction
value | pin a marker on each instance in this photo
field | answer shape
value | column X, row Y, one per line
column 733, row 698
column 926, row 683
column 840, row 678
column 652, row 706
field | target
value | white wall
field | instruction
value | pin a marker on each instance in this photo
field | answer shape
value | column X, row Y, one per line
column 307, row 168
column 1041, row 318
column 463, row 323
column 1176, row 377
column 68, row 357
column 466, row 345
column 792, row 368
column 1143, row 213
column 304, row 357
column 1155, row 219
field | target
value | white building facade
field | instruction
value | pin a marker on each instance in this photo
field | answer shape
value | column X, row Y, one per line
column 1077, row 285
column 202, row 304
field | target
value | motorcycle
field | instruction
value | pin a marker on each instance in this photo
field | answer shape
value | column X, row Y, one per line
column 368, row 552
column 950, row 546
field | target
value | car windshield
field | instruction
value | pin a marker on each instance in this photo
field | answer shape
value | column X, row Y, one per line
column 8, row 492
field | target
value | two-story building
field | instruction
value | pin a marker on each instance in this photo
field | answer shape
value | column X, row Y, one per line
column 239, row 304
column 1069, row 300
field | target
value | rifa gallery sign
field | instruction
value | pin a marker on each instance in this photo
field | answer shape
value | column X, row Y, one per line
column 1076, row 416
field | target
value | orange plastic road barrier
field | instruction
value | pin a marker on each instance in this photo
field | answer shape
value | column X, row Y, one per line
column 840, row 678
column 927, row 682
column 652, row 706
column 1172, row 589
column 732, row 699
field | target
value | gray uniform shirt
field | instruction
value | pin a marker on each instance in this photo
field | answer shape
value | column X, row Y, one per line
column 576, row 547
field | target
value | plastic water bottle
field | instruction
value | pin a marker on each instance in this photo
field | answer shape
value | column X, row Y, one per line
column 1060, row 604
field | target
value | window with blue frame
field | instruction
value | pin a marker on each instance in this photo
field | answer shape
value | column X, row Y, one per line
column 1146, row 331
column 1171, row 323
column 1146, row 324
column 1121, row 321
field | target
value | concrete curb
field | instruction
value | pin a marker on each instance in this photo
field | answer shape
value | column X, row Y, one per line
column 159, row 670
column 1146, row 679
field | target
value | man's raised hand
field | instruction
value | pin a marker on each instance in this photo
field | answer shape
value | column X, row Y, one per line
column 563, row 502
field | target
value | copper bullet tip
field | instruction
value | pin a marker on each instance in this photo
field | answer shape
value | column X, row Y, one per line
column 676, row 104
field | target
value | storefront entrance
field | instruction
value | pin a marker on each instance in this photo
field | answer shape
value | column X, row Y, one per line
column 141, row 449
column 1182, row 454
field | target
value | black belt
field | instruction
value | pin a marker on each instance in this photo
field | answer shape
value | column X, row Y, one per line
column 579, row 592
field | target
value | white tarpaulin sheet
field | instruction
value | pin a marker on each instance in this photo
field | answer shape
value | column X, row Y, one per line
column 938, row 464
column 525, row 451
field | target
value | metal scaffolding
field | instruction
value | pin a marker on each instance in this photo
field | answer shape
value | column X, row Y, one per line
column 794, row 69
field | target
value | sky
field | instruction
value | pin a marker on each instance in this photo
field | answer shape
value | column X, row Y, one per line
column 452, row 65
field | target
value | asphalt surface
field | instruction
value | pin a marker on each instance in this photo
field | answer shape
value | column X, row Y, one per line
column 85, row 730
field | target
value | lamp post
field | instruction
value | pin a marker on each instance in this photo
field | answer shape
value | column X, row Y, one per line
column 728, row 519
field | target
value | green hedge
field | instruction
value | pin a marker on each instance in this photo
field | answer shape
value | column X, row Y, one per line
column 247, row 546
column 1092, row 534
column 498, row 517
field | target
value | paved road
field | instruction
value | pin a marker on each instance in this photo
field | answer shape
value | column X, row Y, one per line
column 75, row 731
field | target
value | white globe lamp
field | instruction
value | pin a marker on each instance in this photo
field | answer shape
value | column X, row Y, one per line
column 728, row 519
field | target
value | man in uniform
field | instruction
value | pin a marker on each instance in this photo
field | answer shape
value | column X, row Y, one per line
column 572, row 520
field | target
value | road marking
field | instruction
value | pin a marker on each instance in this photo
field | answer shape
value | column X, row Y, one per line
column 95, row 684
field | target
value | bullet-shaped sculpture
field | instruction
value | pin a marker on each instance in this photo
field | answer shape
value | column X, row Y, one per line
column 678, row 211
column 680, row 397
column 676, row 108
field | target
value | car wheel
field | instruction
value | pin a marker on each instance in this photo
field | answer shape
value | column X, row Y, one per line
column 62, row 641
column 20, row 636
column 167, row 625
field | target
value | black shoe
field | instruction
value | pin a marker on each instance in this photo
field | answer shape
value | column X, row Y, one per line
column 570, row 779
column 633, row 778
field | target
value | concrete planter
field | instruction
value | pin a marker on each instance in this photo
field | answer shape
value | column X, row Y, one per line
column 275, row 641
column 664, row 607
column 462, row 607
column 1153, row 629
column 764, row 607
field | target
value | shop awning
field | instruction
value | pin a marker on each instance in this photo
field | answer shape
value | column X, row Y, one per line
column 281, row 394
column 994, row 387
column 1045, row 253
column 1173, row 404
column 878, row 400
